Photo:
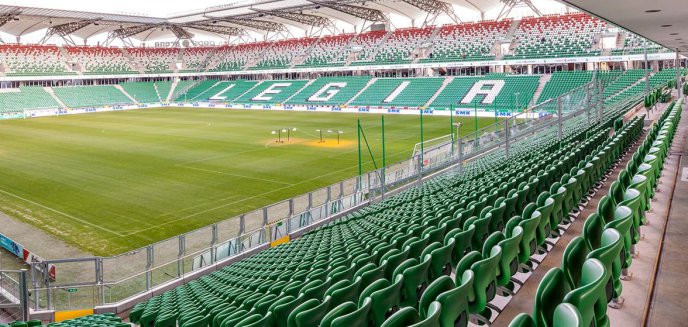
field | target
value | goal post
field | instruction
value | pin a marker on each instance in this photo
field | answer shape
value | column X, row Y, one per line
column 434, row 150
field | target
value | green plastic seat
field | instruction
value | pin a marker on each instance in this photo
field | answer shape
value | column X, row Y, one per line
column 452, row 297
column 590, row 297
column 359, row 317
column 575, row 255
column 415, row 280
column 609, row 254
column 313, row 316
column 566, row 315
column 623, row 223
column 385, row 299
column 336, row 312
column 462, row 243
column 408, row 317
column 257, row 320
column 550, row 292
column 303, row 307
column 485, row 282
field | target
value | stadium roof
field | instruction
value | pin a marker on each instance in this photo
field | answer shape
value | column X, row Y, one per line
column 259, row 17
column 662, row 21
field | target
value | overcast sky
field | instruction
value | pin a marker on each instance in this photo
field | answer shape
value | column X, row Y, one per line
column 153, row 8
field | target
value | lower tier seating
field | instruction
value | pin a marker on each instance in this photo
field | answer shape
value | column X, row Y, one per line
column 27, row 97
column 387, row 264
column 91, row 96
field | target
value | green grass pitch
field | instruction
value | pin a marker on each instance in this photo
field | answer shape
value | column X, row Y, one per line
column 116, row 181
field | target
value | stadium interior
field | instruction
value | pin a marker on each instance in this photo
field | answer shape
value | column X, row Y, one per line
column 532, row 173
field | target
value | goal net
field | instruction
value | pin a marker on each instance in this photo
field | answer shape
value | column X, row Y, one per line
column 435, row 151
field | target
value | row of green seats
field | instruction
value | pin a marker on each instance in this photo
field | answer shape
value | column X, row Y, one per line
column 402, row 244
column 577, row 293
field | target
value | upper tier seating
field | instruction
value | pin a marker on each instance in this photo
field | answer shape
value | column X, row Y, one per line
column 564, row 81
column 365, row 44
column 557, row 36
column 467, row 41
column 196, row 58
column 27, row 97
column 32, row 60
column 91, row 96
column 279, row 91
column 346, row 88
column 100, row 60
column 281, row 53
column 328, row 51
column 235, row 57
column 398, row 47
column 458, row 89
column 416, row 92
column 155, row 60
column 634, row 44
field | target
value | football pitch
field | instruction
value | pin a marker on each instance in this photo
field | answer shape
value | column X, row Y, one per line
column 112, row 182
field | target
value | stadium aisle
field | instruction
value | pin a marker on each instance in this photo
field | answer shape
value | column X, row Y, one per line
column 668, row 303
column 523, row 300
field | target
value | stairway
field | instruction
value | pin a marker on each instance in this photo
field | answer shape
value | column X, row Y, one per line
column 133, row 64
column 446, row 82
column 370, row 82
column 52, row 94
column 119, row 87
column 621, row 40
column 301, row 57
column 378, row 46
column 174, row 86
column 512, row 29
column 172, row 96
column 536, row 96
column 68, row 60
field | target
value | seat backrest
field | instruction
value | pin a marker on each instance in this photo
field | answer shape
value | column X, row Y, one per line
column 572, row 261
column 360, row 317
column 567, row 315
column 336, row 312
column 484, row 284
column 550, row 292
column 590, row 297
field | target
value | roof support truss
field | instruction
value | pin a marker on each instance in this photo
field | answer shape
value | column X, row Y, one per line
column 317, row 23
column 368, row 14
column 434, row 8
column 125, row 33
column 7, row 17
column 65, row 30
column 510, row 4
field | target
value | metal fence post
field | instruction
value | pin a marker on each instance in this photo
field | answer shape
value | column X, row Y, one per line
column 242, row 224
column 24, row 295
column 560, row 119
column 149, row 265
column 310, row 200
column 180, row 255
column 213, row 241
column 601, row 108
column 506, row 136
column 460, row 157
column 291, row 207
column 99, row 280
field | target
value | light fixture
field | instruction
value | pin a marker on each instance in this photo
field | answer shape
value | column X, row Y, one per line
column 673, row 33
column 652, row 11
column 667, row 25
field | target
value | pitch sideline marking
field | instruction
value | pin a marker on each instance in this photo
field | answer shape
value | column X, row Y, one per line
column 62, row 213
column 234, row 202
column 236, row 175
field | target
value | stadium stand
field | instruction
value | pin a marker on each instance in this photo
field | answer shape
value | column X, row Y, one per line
column 634, row 44
column 32, row 60
column 594, row 263
column 455, row 93
column 100, row 60
column 328, row 51
column 330, row 90
column 182, row 87
column 217, row 90
column 196, row 59
column 155, row 60
column 91, row 96
column 557, row 36
column 102, row 320
column 563, row 82
column 627, row 78
column 364, row 45
column 236, row 57
column 416, row 92
column 467, row 41
column 281, row 53
column 275, row 91
column 25, row 98
column 387, row 264
column 143, row 92
column 399, row 47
